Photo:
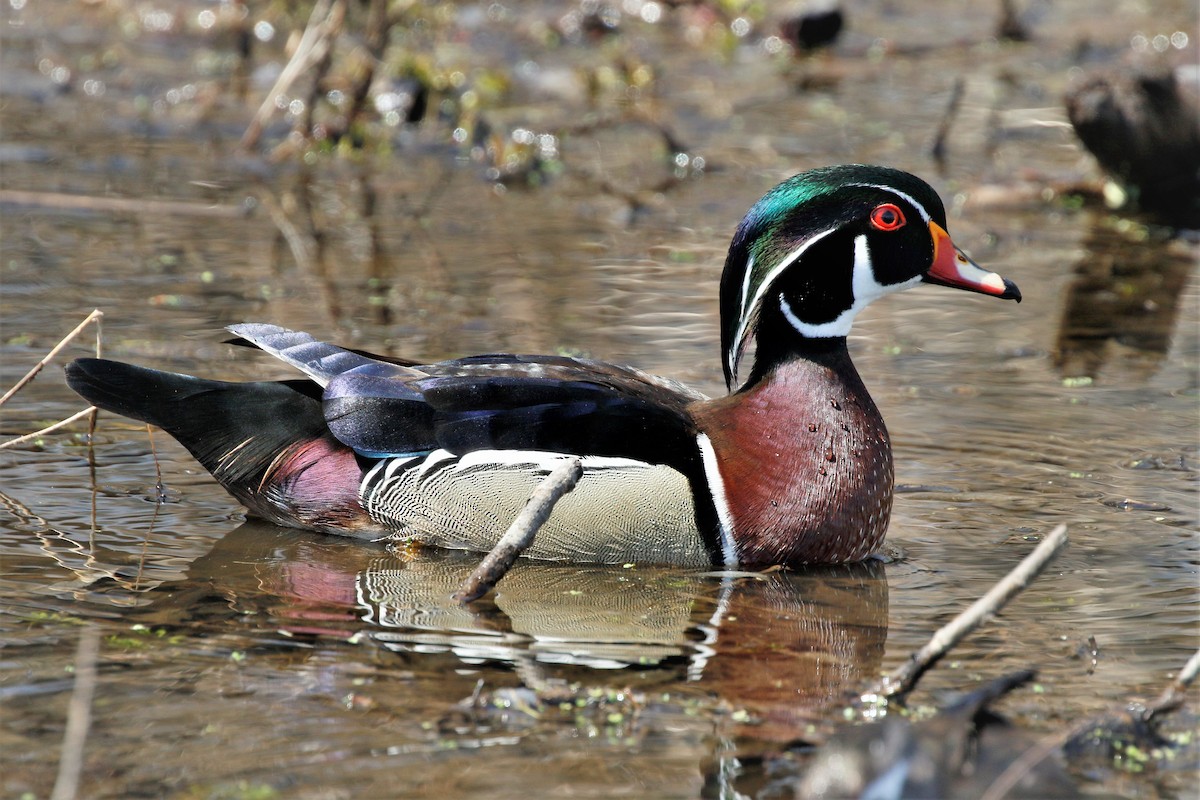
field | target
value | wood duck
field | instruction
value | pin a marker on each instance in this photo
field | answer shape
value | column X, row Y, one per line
column 793, row 466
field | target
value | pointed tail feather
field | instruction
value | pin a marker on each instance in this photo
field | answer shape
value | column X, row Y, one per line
column 320, row 361
column 266, row 442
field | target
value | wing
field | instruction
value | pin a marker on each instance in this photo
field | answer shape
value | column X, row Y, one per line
column 492, row 402
column 505, row 402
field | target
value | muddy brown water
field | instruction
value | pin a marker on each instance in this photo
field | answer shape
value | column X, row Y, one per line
column 242, row 660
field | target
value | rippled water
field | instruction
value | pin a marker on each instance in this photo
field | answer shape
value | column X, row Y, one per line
column 239, row 658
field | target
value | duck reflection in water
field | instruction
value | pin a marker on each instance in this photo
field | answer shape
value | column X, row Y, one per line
column 781, row 646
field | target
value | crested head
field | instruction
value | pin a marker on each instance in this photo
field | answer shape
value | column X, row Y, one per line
column 819, row 247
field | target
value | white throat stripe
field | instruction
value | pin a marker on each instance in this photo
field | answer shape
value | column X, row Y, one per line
column 716, row 488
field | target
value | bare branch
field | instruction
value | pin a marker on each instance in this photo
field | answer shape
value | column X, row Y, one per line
column 49, row 429
column 323, row 24
column 902, row 680
column 1171, row 699
column 519, row 535
column 1172, row 696
column 95, row 316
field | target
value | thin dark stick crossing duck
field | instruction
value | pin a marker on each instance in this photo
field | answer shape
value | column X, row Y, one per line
column 793, row 467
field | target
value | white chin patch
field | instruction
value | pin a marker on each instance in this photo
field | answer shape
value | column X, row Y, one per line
column 866, row 289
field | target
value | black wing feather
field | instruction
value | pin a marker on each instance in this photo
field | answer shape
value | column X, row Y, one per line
column 384, row 406
column 516, row 403
column 536, row 414
column 376, row 412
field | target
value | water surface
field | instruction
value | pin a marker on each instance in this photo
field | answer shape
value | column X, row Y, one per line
column 240, row 659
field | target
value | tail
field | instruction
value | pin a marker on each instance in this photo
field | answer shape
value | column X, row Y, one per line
column 266, row 442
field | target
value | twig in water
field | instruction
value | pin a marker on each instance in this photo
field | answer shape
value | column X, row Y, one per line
column 938, row 150
column 1010, row 26
column 95, row 316
column 1169, row 700
column 323, row 24
column 120, row 205
column 160, row 492
column 519, row 535
column 375, row 39
column 303, row 246
column 49, row 428
column 79, row 717
column 322, row 60
column 1172, row 696
column 902, row 680
column 91, row 441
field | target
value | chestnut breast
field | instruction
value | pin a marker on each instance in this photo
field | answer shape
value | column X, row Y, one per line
column 805, row 462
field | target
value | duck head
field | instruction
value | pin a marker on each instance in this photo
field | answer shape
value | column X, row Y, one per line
column 819, row 247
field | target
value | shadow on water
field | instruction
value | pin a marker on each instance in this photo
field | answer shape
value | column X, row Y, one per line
column 1121, row 307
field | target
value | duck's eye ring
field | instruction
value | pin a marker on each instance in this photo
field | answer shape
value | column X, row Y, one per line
column 887, row 217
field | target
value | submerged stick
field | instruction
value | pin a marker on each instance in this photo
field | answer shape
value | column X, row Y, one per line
column 79, row 717
column 1172, row 696
column 519, row 535
column 902, row 680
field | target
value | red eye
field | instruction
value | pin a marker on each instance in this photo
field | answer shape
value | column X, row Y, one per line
column 887, row 217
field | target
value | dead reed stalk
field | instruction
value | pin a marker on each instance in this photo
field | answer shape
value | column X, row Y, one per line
column 95, row 317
